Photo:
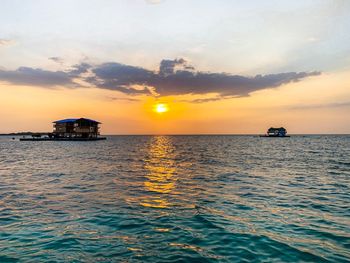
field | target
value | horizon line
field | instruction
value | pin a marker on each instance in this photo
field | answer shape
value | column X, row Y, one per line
column 179, row 134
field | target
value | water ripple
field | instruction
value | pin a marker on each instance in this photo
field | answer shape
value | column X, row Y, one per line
column 176, row 199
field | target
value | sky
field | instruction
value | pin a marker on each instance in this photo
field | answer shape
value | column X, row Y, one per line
column 218, row 66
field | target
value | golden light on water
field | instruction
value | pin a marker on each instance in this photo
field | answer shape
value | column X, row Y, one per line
column 161, row 108
column 161, row 168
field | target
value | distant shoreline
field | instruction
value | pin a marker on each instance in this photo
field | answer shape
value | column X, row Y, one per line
column 22, row 133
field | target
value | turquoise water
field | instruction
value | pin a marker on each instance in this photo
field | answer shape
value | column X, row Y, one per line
column 176, row 199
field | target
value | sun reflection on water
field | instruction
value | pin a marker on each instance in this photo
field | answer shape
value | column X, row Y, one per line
column 161, row 168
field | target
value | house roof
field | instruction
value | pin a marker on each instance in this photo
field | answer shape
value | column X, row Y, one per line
column 74, row 120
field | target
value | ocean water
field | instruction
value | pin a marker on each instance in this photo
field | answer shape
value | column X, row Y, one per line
column 176, row 199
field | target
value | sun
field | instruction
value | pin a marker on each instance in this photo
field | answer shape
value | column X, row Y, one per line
column 161, row 108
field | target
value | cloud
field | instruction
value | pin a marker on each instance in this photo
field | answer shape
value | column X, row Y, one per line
column 116, row 76
column 321, row 106
column 167, row 66
column 185, row 82
column 124, row 99
column 174, row 77
column 79, row 69
column 58, row 60
column 216, row 98
column 6, row 42
column 36, row 77
column 168, row 81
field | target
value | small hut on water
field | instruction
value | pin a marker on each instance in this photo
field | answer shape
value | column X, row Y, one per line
column 277, row 132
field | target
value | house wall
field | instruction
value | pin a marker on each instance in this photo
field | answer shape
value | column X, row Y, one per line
column 80, row 128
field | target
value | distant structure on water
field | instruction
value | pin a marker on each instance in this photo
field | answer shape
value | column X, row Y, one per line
column 77, row 129
column 276, row 132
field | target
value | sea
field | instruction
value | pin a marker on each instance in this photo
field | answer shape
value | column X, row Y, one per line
column 176, row 199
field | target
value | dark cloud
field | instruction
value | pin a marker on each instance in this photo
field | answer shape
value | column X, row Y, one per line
column 116, row 76
column 122, row 74
column 167, row 66
column 185, row 82
column 36, row 77
column 170, row 82
column 174, row 77
column 79, row 69
column 56, row 59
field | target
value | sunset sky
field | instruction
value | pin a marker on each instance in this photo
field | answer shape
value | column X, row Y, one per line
column 217, row 66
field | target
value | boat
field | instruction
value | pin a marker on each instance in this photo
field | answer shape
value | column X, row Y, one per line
column 276, row 133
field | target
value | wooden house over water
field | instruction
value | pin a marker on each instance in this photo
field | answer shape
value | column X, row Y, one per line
column 78, row 129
